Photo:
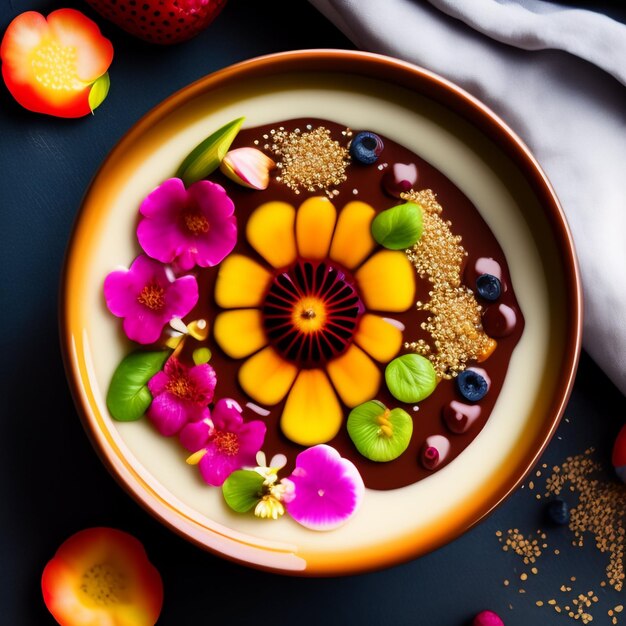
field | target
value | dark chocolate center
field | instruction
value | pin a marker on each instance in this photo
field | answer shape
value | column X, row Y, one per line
column 310, row 313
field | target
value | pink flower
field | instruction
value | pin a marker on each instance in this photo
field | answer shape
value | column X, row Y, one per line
column 180, row 394
column 187, row 227
column 228, row 442
column 147, row 298
column 328, row 489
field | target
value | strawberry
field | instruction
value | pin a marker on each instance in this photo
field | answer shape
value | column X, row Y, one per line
column 160, row 21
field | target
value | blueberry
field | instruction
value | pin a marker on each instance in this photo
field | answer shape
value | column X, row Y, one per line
column 366, row 147
column 471, row 385
column 558, row 512
column 488, row 287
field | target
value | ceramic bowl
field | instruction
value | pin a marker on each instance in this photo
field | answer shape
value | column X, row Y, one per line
column 473, row 148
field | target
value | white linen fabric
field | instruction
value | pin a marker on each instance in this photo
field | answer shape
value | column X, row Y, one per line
column 557, row 76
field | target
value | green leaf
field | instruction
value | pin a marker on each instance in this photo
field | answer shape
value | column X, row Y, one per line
column 410, row 378
column 206, row 157
column 398, row 228
column 128, row 397
column 99, row 91
column 379, row 434
column 242, row 490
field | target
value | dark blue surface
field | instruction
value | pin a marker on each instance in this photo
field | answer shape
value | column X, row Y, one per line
column 53, row 484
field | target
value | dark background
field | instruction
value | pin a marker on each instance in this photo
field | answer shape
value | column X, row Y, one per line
column 52, row 483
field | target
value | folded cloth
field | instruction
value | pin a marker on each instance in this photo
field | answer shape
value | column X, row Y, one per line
column 557, row 76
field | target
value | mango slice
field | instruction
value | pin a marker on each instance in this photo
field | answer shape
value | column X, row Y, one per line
column 378, row 338
column 270, row 231
column 266, row 377
column 315, row 223
column 353, row 241
column 240, row 283
column 312, row 412
column 240, row 333
column 387, row 282
column 355, row 376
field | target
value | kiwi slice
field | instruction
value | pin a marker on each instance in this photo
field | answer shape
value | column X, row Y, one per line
column 379, row 434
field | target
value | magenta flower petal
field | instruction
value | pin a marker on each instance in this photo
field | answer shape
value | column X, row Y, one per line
column 144, row 266
column 218, row 209
column 195, row 435
column 172, row 367
column 143, row 328
column 227, row 414
column 120, row 292
column 187, row 227
column 215, row 468
column 251, row 438
column 232, row 444
column 158, row 239
column 161, row 209
column 203, row 378
column 183, row 290
column 165, row 199
column 181, row 394
column 328, row 489
column 158, row 383
column 167, row 414
column 146, row 298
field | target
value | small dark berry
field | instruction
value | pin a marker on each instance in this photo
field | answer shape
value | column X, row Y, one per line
column 558, row 512
column 366, row 147
column 488, row 287
column 472, row 385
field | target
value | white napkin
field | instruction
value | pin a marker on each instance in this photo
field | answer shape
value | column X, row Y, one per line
column 557, row 76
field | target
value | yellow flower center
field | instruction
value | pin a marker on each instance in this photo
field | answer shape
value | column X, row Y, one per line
column 228, row 443
column 54, row 66
column 181, row 387
column 196, row 223
column 104, row 584
column 309, row 314
column 152, row 297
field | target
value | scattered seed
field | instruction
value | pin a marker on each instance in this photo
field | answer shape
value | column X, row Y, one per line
column 309, row 161
column 455, row 320
column 598, row 512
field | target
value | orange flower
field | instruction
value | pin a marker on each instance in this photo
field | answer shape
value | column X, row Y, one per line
column 50, row 65
column 102, row 577
column 309, row 326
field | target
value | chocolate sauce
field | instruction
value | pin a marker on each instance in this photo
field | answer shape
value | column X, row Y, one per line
column 364, row 184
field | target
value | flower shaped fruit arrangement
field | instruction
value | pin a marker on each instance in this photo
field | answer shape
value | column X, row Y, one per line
column 273, row 333
column 160, row 21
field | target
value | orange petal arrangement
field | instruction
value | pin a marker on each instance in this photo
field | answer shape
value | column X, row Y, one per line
column 271, row 315
column 102, row 577
column 310, row 314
